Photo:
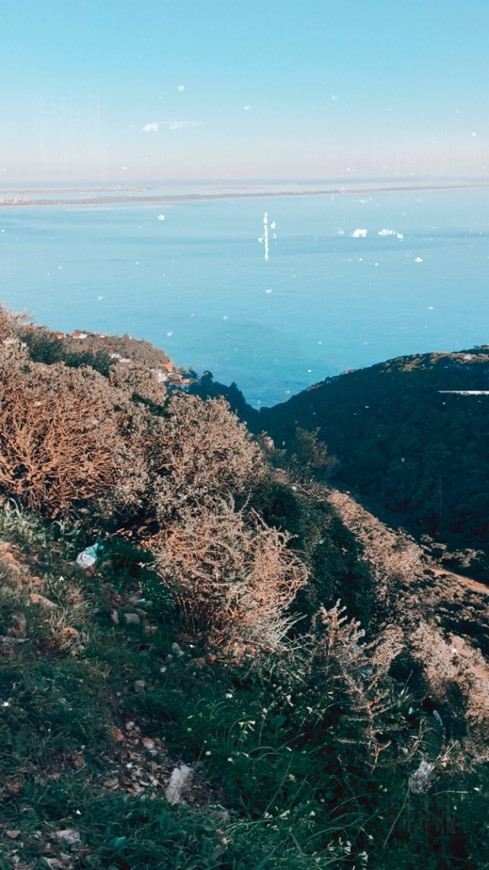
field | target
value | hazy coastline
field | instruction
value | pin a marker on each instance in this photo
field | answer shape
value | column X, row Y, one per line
column 106, row 195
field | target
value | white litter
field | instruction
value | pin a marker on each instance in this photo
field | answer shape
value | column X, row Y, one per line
column 87, row 557
column 179, row 781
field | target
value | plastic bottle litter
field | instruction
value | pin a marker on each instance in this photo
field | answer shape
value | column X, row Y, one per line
column 88, row 556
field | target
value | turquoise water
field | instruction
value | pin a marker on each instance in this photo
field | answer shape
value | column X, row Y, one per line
column 198, row 285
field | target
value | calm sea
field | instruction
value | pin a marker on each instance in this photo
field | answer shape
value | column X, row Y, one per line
column 192, row 278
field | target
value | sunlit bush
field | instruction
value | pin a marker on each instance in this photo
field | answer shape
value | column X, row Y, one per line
column 233, row 577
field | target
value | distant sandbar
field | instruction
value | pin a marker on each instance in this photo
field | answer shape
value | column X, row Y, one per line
column 138, row 196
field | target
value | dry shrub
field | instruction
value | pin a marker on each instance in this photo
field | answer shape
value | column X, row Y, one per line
column 9, row 325
column 198, row 450
column 68, row 436
column 233, row 577
column 60, row 441
column 140, row 381
column 336, row 663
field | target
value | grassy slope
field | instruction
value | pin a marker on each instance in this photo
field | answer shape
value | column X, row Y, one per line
column 98, row 706
column 87, row 750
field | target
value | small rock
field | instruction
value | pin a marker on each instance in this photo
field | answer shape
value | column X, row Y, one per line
column 132, row 619
column 14, row 786
column 176, row 650
column 117, row 735
column 69, row 836
column 13, row 834
column 115, row 617
column 20, row 627
column 40, row 599
column 139, row 686
column 136, row 599
column 148, row 743
column 11, row 641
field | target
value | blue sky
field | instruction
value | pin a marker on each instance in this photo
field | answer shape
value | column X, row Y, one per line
column 189, row 89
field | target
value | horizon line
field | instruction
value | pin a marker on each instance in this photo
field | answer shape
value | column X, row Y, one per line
column 122, row 199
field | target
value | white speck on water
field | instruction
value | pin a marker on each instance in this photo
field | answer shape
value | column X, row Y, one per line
column 59, row 267
column 269, row 290
column 431, row 307
column 265, row 236
column 181, row 89
column 309, row 371
column 359, row 233
column 225, row 317
column 161, row 217
column 99, row 298
column 418, row 260
column 246, row 108
column 387, row 232
column 170, row 333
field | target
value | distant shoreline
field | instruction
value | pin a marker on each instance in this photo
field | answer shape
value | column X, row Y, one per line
column 139, row 198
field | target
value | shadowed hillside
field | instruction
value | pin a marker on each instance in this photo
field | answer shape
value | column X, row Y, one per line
column 415, row 454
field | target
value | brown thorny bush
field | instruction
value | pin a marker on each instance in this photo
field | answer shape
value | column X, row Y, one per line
column 69, row 438
column 199, row 450
column 61, row 441
column 232, row 575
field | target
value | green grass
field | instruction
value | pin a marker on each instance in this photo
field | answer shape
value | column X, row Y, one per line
column 276, row 783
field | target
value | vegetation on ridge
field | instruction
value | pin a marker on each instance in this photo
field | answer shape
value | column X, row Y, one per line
column 414, row 454
column 207, row 633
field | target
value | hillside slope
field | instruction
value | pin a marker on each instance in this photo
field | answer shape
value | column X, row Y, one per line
column 169, row 615
column 416, row 455
column 433, row 624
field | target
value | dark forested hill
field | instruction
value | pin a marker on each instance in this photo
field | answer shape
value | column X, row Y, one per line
column 418, row 456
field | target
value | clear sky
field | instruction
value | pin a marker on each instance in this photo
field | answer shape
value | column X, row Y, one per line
column 226, row 89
